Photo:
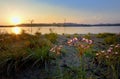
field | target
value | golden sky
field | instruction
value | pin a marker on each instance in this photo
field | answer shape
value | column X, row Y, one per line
column 51, row 11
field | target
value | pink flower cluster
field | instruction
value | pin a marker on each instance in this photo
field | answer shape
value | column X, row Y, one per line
column 87, row 41
column 75, row 40
column 112, row 50
column 82, row 44
column 72, row 41
column 117, row 46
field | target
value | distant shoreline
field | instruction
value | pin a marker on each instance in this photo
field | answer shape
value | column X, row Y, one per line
column 60, row 25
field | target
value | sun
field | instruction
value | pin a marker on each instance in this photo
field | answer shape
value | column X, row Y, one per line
column 16, row 20
column 16, row 30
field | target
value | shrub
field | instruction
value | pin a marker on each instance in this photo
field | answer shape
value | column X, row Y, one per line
column 103, row 35
column 87, row 36
column 110, row 40
column 76, row 35
column 52, row 37
column 68, row 36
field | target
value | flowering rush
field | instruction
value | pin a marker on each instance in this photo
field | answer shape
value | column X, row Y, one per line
column 75, row 40
column 72, row 41
column 81, row 43
column 111, row 51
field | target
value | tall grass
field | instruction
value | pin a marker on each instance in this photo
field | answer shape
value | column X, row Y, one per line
column 111, row 59
column 24, row 51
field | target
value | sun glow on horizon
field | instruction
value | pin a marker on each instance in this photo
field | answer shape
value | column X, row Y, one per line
column 15, row 20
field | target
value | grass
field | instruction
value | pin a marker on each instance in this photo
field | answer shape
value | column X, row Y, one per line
column 25, row 51
column 111, row 59
column 103, row 35
column 17, row 51
column 51, row 36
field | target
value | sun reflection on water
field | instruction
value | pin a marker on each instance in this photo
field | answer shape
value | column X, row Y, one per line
column 16, row 30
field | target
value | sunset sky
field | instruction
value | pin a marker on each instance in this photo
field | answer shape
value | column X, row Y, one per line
column 50, row 11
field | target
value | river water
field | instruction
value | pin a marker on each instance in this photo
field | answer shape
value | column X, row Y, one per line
column 66, row 30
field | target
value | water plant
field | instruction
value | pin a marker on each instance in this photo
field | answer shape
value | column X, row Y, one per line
column 111, row 59
column 82, row 44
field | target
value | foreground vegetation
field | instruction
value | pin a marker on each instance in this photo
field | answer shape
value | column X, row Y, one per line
column 53, row 56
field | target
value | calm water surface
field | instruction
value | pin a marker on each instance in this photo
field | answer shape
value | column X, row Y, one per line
column 66, row 30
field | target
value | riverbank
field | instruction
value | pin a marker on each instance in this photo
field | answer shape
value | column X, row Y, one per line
column 53, row 56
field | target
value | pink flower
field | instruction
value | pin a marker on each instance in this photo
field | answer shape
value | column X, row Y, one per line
column 71, row 40
column 90, row 41
column 110, row 48
column 97, row 54
column 112, row 45
column 87, row 41
column 102, row 51
column 83, row 39
column 109, row 51
column 116, row 52
column 68, row 42
column 75, row 38
column 116, row 46
column 107, row 56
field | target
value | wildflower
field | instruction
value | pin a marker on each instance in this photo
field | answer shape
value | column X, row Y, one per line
column 103, row 51
column 97, row 54
column 75, row 39
column 71, row 40
column 109, row 51
column 90, row 41
column 83, row 39
column 110, row 48
column 111, row 45
column 116, row 52
column 107, row 56
column 68, row 42
column 118, row 45
column 87, row 41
